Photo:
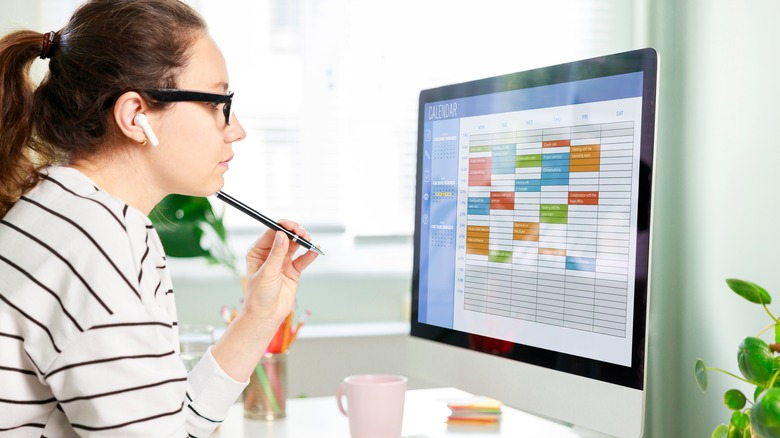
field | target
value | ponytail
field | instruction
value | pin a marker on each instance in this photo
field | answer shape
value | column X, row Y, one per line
column 107, row 48
column 21, row 155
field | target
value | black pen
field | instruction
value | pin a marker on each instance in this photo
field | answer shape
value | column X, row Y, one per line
column 267, row 222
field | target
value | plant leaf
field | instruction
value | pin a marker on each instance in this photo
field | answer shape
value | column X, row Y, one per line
column 701, row 375
column 765, row 414
column 189, row 227
column 740, row 420
column 749, row 291
column 734, row 399
column 182, row 240
column 755, row 360
column 722, row 431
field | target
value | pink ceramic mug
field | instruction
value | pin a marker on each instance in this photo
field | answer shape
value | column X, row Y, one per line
column 375, row 404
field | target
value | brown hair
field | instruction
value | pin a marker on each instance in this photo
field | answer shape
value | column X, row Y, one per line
column 107, row 48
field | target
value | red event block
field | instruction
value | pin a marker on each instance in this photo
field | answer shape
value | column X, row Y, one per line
column 583, row 198
column 502, row 200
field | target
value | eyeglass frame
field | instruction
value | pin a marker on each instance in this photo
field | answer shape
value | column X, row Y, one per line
column 176, row 95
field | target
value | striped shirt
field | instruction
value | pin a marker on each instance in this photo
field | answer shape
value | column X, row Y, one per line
column 88, row 331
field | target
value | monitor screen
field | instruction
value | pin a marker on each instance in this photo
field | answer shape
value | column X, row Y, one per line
column 532, row 233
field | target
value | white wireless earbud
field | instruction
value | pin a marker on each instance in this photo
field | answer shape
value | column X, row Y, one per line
column 143, row 122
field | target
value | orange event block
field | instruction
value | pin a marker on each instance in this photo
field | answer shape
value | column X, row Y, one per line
column 528, row 231
column 585, row 158
column 594, row 149
column 552, row 251
column 477, row 239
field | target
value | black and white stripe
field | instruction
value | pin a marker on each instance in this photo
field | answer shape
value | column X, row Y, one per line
column 88, row 331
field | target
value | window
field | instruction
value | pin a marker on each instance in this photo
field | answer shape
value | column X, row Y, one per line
column 331, row 113
column 327, row 91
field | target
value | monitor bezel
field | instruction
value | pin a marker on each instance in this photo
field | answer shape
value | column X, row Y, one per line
column 642, row 60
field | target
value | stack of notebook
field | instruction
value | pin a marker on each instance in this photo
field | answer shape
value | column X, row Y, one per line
column 475, row 410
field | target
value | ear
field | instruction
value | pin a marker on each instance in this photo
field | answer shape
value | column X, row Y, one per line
column 125, row 109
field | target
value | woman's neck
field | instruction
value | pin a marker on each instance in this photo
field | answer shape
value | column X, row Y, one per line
column 122, row 176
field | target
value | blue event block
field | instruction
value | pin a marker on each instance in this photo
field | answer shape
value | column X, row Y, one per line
column 479, row 206
column 528, row 185
column 581, row 264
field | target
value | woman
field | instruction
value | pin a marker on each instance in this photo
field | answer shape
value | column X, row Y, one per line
column 135, row 107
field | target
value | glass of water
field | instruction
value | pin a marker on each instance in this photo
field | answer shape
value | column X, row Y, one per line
column 194, row 340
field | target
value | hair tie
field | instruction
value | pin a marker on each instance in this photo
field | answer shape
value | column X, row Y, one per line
column 48, row 38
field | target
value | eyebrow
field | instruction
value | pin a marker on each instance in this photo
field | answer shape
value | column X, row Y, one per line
column 222, row 85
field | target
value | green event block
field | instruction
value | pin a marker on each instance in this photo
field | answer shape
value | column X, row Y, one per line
column 554, row 213
column 532, row 160
column 495, row 255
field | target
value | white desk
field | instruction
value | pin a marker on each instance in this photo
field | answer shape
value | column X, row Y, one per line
column 425, row 416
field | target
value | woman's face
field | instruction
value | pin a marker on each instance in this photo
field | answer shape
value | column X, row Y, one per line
column 195, row 142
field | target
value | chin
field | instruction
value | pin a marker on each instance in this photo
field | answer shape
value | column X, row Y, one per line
column 214, row 188
column 203, row 189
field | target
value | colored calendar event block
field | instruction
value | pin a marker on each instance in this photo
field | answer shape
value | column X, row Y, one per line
column 583, row 198
column 502, row 200
column 556, row 143
column 477, row 239
column 529, row 160
column 480, row 171
column 552, row 252
column 528, row 231
column 499, row 256
column 585, row 158
column 554, row 214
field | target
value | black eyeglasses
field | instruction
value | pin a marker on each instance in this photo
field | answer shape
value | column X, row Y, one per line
column 174, row 95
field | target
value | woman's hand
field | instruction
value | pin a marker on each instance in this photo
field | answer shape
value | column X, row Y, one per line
column 272, row 272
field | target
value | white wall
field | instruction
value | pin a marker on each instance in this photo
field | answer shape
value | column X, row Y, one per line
column 29, row 14
column 716, row 214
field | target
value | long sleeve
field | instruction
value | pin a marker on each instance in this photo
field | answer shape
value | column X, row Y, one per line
column 88, row 327
column 210, row 393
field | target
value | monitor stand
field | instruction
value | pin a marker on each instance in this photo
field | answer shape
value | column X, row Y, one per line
column 583, row 432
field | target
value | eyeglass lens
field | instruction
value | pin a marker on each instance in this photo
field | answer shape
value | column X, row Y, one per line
column 228, row 111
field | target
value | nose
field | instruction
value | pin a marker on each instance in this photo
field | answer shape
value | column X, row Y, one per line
column 234, row 132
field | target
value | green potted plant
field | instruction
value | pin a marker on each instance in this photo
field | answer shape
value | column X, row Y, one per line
column 188, row 226
column 756, row 414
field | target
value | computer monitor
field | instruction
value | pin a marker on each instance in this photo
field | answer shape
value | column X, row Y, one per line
column 532, row 239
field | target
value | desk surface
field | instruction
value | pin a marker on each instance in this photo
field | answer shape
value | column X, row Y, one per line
column 425, row 416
